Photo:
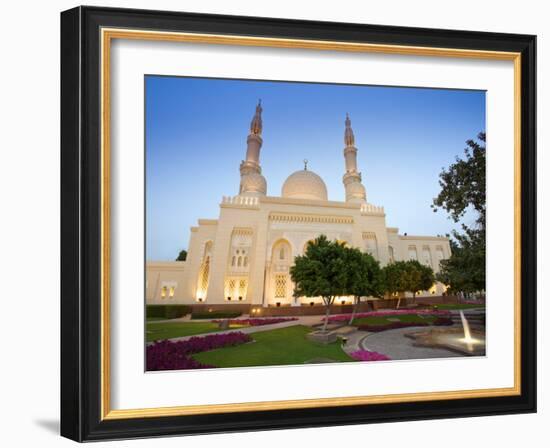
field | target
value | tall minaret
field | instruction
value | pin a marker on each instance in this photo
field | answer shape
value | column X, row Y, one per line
column 355, row 191
column 252, row 181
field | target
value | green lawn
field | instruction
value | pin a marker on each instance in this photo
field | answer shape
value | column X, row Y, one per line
column 283, row 346
column 156, row 331
column 458, row 306
column 382, row 320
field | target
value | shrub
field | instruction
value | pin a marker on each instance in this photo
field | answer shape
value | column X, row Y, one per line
column 167, row 311
column 216, row 315
column 168, row 355
column 366, row 355
column 441, row 321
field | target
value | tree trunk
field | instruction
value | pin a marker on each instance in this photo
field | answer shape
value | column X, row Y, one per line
column 414, row 297
column 398, row 302
column 355, row 306
column 327, row 313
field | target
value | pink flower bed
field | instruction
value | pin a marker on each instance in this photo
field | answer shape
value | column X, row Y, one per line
column 169, row 355
column 365, row 355
column 344, row 317
column 258, row 322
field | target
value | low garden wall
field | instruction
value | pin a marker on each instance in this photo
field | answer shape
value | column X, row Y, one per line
column 304, row 310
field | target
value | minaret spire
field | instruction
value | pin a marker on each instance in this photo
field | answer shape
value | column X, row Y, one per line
column 355, row 191
column 349, row 138
column 256, row 123
column 252, row 181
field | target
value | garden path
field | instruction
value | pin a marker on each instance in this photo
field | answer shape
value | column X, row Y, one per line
column 396, row 345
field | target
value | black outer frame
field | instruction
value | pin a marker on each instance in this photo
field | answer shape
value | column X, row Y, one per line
column 80, row 224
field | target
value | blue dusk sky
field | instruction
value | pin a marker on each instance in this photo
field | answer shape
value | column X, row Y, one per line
column 196, row 132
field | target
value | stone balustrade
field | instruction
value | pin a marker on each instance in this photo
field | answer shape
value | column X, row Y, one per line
column 246, row 201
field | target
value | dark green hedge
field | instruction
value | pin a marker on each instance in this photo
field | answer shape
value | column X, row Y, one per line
column 167, row 311
column 215, row 315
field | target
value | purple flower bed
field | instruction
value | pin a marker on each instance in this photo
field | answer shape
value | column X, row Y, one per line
column 345, row 317
column 259, row 322
column 168, row 355
column 365, row 355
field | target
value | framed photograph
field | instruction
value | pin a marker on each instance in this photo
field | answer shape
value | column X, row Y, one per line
column 273, row 223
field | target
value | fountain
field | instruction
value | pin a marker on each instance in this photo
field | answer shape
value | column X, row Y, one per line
column 464, row 340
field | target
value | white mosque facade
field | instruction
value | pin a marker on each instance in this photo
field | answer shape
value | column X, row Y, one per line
column 244, row 256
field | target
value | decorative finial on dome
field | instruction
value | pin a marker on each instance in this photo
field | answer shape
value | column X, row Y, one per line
column 256, row 124
column 305, row 164
column 349, row 138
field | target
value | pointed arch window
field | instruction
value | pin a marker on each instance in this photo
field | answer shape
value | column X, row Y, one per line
column 204, row 271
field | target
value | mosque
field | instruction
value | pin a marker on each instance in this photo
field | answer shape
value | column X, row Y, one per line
column 244, row 256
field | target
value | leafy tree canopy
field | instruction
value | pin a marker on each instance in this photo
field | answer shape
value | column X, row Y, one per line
column 463, row 187
column 182, row 255
column 407, row 276
column 465, row 269
column 364, row 276
column 463, row 183
column 321, row 271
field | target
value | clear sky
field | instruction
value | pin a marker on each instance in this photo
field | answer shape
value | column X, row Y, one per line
column 196, row 132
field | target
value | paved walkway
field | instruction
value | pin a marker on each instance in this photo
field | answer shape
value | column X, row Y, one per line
column 354, row 341
column 396, row 345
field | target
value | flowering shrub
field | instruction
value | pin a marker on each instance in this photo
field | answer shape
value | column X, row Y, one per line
column 166, row 356
column 365, row 355
column 345, row 317
column 258, row 322
column 169, row 355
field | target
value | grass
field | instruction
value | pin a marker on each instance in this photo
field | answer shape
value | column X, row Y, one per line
column 458, row 306
column 382, row 320
column 283, row 346
column 156, row 331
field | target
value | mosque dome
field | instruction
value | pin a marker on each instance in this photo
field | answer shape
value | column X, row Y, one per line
column 305, row 184
column 253, row 184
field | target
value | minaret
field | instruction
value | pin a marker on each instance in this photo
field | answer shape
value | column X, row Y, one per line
column 355, row 191
column 252, row 181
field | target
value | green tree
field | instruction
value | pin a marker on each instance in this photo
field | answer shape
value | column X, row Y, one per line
column 463, row 189
column 420, row 277
column 394, row 280
column 407, row 276
column 465, row 269
column 463, row 184
column 321, row 272
column 182, row 255
column 363, row 277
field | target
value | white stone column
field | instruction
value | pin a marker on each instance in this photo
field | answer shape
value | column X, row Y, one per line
column 257, row 269
column 218, row 267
